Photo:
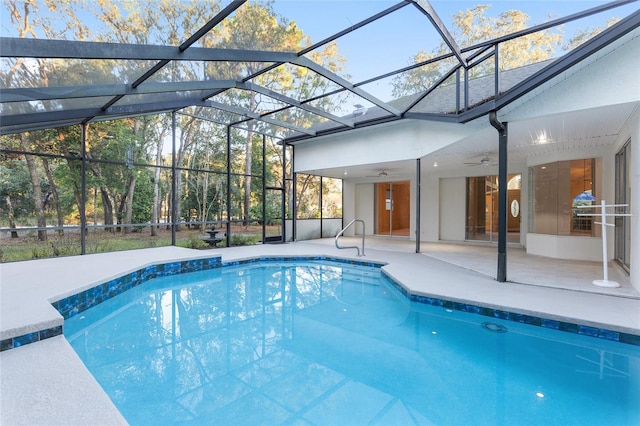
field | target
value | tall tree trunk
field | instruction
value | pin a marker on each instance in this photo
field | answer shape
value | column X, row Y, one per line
column 248, row 166
column 178, row 195
column 185, row 144
column 157, row 199
column 12, row 220
column 128, row 215
column 54, row 193
column 37, row 191
column 205, row 191
column 107, row 206
column 73, row 168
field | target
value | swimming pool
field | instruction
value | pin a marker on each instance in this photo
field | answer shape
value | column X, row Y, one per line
column 323, row 342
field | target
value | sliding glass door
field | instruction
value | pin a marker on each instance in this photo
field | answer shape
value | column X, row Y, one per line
column 623, row 196
column 393, row 202
column 482, row 208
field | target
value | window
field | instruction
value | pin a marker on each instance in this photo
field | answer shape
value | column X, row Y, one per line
column 556, row 190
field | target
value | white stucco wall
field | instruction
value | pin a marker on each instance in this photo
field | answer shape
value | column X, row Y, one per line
column 593, row 83
column 429, row 207
column 452, row 209
column 364, row 201
column 348, row 201
column 409, row 139
column 565, row 247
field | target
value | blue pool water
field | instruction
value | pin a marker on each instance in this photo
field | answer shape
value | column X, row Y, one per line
column 329, row 343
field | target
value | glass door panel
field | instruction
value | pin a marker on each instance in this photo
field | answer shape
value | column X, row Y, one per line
column 482, row 208
column 393, row 204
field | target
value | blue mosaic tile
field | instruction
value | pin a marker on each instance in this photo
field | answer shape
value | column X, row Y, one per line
column 50, row 332
column 25, row 339
column 522, row 318
column 588, row 330
column 552, row 324
column 6, row 344
column 630, row 339
column 113, row 288
column 568, row 327
column 71, row 305
column 608, row 334
column 487, row 312
column 501, row 314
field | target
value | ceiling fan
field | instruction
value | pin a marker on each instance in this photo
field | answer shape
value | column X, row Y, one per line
column 484, row 161
column 381, row 174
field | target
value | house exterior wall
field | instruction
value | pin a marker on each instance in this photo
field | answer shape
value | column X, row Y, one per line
column 409, row 139
column 364, row 207
column 596, row 82
column 452, row 207
column 599, row 84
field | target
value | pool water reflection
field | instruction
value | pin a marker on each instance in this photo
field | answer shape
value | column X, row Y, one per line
column 335, row 343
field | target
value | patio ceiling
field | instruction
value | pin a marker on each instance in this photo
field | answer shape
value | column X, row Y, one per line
column 350, row 98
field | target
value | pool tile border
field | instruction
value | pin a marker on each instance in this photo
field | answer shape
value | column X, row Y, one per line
column 79, row 302
column 76, row 303
column 586, row 330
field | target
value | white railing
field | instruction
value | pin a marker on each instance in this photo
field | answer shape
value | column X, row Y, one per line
column 342, row 232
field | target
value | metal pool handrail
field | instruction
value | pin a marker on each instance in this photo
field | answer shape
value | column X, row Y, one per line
column 344, row 229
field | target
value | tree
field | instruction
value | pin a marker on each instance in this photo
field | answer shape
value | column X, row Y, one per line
column 256, row 26
column 15, row 186
column 585, row 34
column 470, row 27
column 253, row 26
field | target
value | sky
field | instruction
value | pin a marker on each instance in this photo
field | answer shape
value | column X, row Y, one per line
column 404, row 33
column 391, row 42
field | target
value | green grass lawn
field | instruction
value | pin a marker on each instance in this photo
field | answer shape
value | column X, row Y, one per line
column 27, row 247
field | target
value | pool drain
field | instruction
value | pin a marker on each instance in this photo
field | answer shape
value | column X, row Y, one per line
column 492, row 326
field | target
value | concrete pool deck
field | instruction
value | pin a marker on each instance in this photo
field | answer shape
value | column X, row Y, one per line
column 46, row 383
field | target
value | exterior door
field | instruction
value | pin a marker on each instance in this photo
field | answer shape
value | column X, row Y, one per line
column 393, row 200
column 482, row 208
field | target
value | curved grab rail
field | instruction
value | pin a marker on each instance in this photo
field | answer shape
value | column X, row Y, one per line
column 342, row 232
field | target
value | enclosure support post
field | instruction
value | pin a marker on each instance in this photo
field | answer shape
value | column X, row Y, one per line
column 502, row 195
column 264, row 188
column 284, row 192
column 174, row 215
column 294, row 212
column 228, row 229
column 321, row 212
column 418, row 205
column 83, row 190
